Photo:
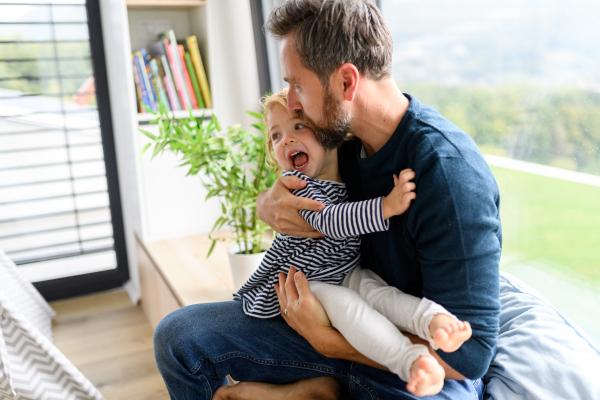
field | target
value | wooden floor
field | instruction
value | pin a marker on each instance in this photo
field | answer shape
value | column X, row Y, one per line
column 110, row 341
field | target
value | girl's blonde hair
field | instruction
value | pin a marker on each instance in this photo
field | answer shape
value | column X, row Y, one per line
column 267, row 103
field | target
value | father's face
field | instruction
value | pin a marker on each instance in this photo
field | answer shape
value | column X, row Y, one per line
column 313, row 103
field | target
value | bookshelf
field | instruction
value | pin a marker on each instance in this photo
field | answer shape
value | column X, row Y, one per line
column 144, row 119
column 159, row 201
column 149, row 19
column 165, row 3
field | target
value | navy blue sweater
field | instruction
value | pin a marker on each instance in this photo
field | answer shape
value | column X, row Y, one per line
column 446, row 247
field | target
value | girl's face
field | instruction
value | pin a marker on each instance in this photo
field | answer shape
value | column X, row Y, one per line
column 296, row 147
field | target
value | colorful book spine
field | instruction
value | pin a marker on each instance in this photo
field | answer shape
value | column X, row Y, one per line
column 186, row 75
column 138, row 96
column 162, row 94
column 192, row 43
column 170, row 34
column 139, row 79
column 190, row 67
column 147, row 86
column 177, row 75
column 165, row 73
column 153, row 94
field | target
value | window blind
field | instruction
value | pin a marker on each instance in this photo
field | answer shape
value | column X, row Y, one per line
column 55, row 218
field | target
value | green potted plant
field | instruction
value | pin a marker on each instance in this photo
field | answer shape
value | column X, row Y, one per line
column 232, row 166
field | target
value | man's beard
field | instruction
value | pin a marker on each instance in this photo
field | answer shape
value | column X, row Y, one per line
column 336, row 122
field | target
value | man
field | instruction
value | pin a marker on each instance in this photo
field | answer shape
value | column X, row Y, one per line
column 336, row 57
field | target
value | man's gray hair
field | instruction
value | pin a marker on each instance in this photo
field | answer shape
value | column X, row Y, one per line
column 329, row 33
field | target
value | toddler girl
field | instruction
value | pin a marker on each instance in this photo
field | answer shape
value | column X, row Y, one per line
column 360, row 305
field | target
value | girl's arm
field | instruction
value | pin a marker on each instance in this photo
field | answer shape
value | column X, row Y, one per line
column 348, row 219
column 362, row 217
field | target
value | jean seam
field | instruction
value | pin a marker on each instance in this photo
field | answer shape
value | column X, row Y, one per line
column 207, row 387
column 197, row 366
column 369, row 390
column 290, row 364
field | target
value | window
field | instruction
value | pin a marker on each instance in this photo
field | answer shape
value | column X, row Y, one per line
column 57, row 214
column 523, row 80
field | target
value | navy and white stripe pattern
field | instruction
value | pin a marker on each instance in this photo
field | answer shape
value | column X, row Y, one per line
column 327, row 260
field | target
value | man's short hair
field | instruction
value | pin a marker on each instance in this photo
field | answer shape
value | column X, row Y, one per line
column 329, row 33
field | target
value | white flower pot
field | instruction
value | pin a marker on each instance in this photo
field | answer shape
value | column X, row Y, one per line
column 243, row 265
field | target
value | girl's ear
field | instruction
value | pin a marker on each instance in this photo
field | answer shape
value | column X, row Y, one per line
column 349, row 77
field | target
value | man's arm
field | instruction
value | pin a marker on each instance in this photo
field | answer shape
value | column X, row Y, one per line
column 456, row 229
column 306, row 315
column 279, row 208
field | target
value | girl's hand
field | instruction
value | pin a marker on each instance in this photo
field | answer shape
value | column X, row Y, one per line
column 398, row 201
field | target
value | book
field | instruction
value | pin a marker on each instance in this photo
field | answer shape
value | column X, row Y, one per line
column 192, row 43
column 165, row 73
column 186, row 76
column 152, row 93
column 159, row 50
column 176, row 65
column 147, row 90
column 137, row 73
column 162, row 94
column 190, row 66
column 175, row 73
column 138, row 90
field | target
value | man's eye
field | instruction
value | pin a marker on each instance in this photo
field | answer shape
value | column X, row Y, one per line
column 299, row 126
column 296, row 88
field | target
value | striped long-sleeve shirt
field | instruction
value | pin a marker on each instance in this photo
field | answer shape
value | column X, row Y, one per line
column 329, row 259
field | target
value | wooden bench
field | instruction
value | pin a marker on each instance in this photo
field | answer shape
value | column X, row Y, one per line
column 175, row 273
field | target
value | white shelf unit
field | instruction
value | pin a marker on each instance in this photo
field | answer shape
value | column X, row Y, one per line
column 146, row 23
column 146, row 118
column 159, row 200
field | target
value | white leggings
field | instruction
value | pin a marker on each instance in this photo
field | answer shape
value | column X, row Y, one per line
column 370, row 314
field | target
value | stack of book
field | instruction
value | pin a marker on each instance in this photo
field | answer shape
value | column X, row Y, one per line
column 171, row 75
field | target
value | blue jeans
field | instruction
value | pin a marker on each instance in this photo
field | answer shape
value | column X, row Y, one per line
column 197, row 346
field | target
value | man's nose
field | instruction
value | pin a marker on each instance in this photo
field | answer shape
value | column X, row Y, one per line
column 293, row 104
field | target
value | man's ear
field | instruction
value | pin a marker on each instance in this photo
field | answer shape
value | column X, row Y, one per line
column 349, row 77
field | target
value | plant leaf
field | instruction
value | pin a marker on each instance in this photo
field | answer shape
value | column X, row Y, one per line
column 254, row 114
column 212, row 247
column 217, row 124
column 151, row 136
column 143, row 151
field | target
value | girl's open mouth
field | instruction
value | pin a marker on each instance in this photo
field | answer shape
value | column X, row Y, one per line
column 299, row 160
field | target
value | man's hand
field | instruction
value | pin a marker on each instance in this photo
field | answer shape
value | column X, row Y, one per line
column 278, row 208
column 305, row 314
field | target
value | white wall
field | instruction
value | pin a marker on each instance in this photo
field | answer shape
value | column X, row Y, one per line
column 233, row 60
column 159, row 201
column 116, row 48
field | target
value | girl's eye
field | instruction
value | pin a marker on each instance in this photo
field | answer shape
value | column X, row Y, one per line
column 275, row 136
column 299, row 126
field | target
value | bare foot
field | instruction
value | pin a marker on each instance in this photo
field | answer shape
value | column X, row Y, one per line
column 325, row 388
column 449, row 333
column 426, row 377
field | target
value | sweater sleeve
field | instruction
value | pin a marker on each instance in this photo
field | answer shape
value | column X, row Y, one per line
column 456, row 227
column 348, row 219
